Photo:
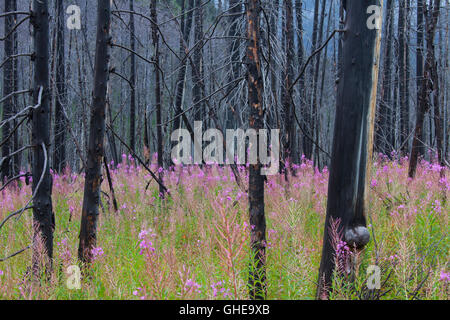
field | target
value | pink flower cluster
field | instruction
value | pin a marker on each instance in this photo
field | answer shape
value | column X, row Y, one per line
column 145, row 244
column 223, row 291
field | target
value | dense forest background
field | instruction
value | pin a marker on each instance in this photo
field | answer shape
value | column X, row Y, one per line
column 216, row 44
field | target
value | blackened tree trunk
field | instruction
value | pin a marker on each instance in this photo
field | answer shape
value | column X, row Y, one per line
column 43, row 217
column 186, row 24
column 384, row 130
column 256, row 180
column 197, row 69
column 432, row 14
column 353, row 137
column 8, row 75
column 419, row 60
column 287, row 94
column 315, row 98
column 232, row 107
column 307, row 114
column 301, row 61
column 95, row 153
column 60, row 100
column 155, row 38
column 132, row 81
column 403, row 75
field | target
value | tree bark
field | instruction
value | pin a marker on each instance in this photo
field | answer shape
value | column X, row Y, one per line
column 432, row 14
column 132, row 81
column 60, row 100
column 157, row 93
column 43, row 217
column 385, row 131
column 93, row 180
column 8, row 84
column 353, row 137
column 403, row 75
column 257, row 277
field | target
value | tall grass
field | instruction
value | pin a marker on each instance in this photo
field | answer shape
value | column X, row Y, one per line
column 195, row 244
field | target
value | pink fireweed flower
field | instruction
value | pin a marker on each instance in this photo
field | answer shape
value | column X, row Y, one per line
column 221, row 284
column 373, row 183
column 96, row 252
column 191, row 286
column 145, row 244
column 444, row 276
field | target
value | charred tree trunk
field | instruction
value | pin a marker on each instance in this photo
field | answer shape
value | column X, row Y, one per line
column 155, row 38
column 60, row 99
column 8, row 85
column 384, row 130
column 257, row 277
column 132, row 81
column 301, row 62
column 419, row 60
column 197, row 77
column 43, row 217
column 186, row 24
column 432, row 14
column 95, row 153
column 403, row 76
column 232, row 108
column 353, row 137
column 287, row 94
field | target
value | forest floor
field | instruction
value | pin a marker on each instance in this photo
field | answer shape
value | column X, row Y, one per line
column 195, row 244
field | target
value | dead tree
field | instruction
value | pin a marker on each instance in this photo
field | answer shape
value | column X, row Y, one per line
column 289, row 145
column 257, row 277
column 403, row 61
column 232, row 110
column 155, row 38
column 432, row 15
column 132, row 80
column 197, row 78
column 186, row 24
column 43, row 217
column 8, row 75
column 95, row 152
column 384, row 139
column 60, row 120
column 353, row 137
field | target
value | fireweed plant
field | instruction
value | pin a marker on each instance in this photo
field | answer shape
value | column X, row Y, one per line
column 195, row 243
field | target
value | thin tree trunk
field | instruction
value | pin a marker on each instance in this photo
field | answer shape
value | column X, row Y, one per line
column 60, row 97
column 403, row 75
column 132, row 81
column 91, row 200
column 8, row 85
column 432, row 14
column 257, row 277
column 385, row 114
column 157, row 94
column 287, row 94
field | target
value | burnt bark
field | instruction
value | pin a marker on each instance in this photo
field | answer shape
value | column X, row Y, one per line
column 8, row 85
column 155, row 38
column 288, row 73
column 132, row 81
column 60, row 99
column 384, row 134
column 353, row 137
column 43, row 217
column 95, row 152
column 403, row 61
column 257, row 276
column 431, row 13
